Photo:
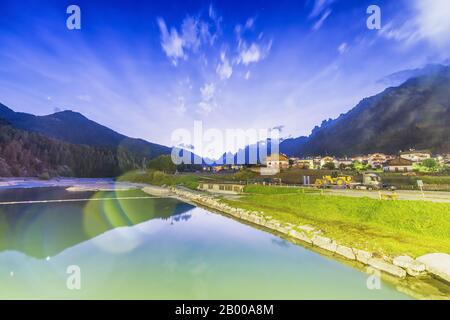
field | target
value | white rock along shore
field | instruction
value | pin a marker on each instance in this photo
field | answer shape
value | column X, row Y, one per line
column 434, row 264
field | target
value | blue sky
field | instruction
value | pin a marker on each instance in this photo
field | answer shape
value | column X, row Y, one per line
column 146, row 68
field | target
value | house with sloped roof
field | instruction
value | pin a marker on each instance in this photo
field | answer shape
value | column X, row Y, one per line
column 398, row 165
column 416, row 155
column 277, row 161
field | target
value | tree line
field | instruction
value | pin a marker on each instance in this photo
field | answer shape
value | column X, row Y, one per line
column 24, row 153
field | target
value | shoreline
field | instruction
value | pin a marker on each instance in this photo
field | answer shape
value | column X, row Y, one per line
column 405, row 273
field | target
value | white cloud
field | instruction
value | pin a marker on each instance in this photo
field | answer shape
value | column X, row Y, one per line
column 205, row 107
column 207, row 103
column 253, row 53
column 171, row 42
column 343, row 47
column 180, row 109
column 207, row 91
column 319, row 7
column 192, row 33
column 250, row 51
column 322, row 11
column 430, row 22
column 433, row 20
column 406, row 33
column 247, row 75
column 224, row 69
column 249, row 23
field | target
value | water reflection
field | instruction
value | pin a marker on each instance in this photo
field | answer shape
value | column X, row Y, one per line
column 43, row 230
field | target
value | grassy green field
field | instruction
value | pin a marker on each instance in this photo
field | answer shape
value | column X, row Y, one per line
column 386, row 227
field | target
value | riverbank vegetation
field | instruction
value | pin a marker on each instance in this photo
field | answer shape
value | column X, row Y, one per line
column 159, row 178
column 387, row 227
column 187, row 180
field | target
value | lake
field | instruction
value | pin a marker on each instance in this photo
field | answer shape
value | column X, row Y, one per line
column 156, row 248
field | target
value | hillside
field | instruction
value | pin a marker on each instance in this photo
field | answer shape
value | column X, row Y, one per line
column 75, row 128
column 415, row 114
column 24, row 153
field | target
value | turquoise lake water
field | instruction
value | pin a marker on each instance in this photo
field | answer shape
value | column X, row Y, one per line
column 156, row 248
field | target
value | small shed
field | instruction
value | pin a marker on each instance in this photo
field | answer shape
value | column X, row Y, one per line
column 222, row 187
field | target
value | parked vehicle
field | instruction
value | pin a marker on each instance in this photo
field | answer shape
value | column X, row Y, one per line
column 371, row 181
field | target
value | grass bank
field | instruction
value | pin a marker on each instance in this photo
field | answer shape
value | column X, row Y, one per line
column 188, row 180
column 387, row 227
column 159, row 178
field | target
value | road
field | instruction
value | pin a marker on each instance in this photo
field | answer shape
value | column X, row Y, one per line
column 435, row 196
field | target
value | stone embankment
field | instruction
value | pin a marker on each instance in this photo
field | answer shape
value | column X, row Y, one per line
column 437, row 264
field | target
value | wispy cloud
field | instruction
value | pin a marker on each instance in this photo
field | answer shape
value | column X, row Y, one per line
column 433, row 20
column 224, row 68
column 429, row 22
column 194, row 32
column 322, row 19
column 250, row 51
column 320, row 12
column 180, row 108
column 171, row 42
column 343, row 47
column 207, row 103
column 319, row 7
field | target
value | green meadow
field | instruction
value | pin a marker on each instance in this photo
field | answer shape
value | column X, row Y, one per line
column 382, row 226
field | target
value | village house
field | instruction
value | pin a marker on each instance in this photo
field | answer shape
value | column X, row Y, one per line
column 343, row 163
column 443, row 159
column 277, row 161
column 361, row 159
column 398, row 165
column 326, row 160
column 416, row 155
column 316, row 162
column 376, row 160
column 303, row 163
column 447, row 159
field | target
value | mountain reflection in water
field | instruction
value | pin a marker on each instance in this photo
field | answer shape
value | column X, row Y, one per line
column 43, row 230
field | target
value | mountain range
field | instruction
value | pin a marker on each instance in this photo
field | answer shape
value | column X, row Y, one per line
column 73, row 127
column 414, row 115
column 67, row 144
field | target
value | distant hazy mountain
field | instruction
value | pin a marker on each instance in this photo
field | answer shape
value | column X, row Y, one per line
column 415, row 114
column 397, row 78
column 75, row 128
